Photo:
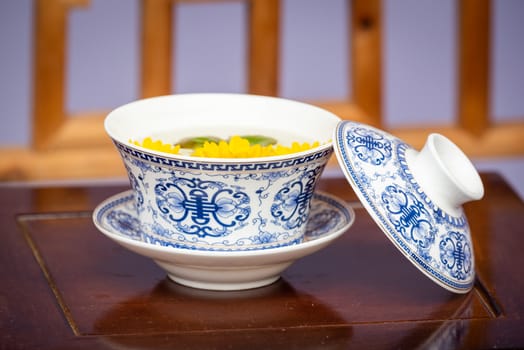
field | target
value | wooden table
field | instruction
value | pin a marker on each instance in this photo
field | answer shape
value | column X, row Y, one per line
column 66, row 286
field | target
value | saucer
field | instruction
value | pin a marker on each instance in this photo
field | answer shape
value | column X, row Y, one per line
column 381, row 169
column 116, row 217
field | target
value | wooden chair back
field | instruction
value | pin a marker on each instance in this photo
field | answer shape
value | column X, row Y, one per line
column 66, row 147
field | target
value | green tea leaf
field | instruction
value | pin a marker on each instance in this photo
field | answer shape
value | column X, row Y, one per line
column 260, row 140
column 195, row 142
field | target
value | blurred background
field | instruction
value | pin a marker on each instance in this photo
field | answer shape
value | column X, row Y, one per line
column 419, row 44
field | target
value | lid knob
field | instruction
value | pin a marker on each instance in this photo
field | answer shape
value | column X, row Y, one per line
column 445, row 173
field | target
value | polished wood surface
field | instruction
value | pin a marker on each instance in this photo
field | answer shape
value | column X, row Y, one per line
column 67, row 146
column 66, row 286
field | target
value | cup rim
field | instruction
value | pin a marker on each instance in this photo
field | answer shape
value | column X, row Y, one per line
column 325, row 146
column 214, row 160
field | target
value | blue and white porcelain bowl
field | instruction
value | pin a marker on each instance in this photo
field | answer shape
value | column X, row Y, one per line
column 115, row 217
column 215, row 203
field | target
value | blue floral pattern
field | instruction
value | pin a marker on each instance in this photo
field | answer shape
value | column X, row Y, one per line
column 219, row 206
column 456, row 254
column 203, row 208
column 409, row 216
column 438, row 243
column 118, row 216
column 369, row 146
column 323, row 222
column 291, row 204
column 135, row 185
column 124, row 222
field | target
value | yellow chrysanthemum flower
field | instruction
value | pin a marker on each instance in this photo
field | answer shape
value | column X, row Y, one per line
column 157, row 145
column 239, row 147
column 236, row 147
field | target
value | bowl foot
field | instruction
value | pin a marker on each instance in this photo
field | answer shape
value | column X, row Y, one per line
column 223, row 286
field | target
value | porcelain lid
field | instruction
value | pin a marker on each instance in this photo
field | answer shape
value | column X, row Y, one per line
column 415, row 198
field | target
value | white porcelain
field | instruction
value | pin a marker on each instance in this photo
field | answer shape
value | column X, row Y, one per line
column 116, row 217
column 222, row 204
column 445, row 174
column 415, row 197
